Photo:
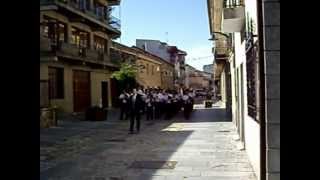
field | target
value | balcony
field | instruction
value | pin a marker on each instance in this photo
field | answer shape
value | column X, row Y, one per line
column 115, row 22
column 233, row 18
column 79, row 13
column 74, row 53
column 45, row 45
column 113, row 2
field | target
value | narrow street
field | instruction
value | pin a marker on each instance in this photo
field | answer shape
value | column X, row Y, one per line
column 202, row 148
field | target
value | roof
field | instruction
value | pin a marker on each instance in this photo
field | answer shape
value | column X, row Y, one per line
column 150, row 55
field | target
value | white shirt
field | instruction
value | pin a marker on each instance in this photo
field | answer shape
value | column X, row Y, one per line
column 185, row 97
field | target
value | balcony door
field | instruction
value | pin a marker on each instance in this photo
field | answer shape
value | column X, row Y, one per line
column 80, row 38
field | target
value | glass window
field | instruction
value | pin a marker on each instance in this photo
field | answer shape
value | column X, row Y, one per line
column 147, row 68
column 100, row 44
column 54, row 29
column 80, row 38
column 152, row 70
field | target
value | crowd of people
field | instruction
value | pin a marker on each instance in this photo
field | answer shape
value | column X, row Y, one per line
column 154, row 104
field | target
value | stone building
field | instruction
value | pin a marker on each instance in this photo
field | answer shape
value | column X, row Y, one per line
column 208, row 68
column 196, row 79
column 171, row 54
column 152, row 71
column 157, row 72
column 75, row 64
column 247, row 67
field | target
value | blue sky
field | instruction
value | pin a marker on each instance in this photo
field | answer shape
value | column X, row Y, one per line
column 185, row 21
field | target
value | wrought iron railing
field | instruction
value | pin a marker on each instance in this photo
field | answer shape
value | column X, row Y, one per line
column 103, row 16
column 233, row 3
column 252, row 79
column 114, row 22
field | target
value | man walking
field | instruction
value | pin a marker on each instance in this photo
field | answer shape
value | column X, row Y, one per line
column 124, row 96
column 136, row 105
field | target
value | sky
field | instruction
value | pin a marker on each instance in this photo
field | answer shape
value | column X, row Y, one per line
column 181, row 23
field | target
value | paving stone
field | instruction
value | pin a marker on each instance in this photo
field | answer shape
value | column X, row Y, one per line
column 201, row 149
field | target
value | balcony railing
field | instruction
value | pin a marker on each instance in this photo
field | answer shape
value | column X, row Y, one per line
column 232, row 3
column 114, row 2
column 233, row 16
column 252, row 78
column 71, row 51
column 115, row 22
column 103, row 17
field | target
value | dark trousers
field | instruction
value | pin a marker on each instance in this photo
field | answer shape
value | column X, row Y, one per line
column 169, row 110
column 149, row 113
column 187, row 110
column 123, row 112
column 135, row 118
column 157, row 110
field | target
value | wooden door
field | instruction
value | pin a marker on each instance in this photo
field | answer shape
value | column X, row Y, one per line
column 81, row 90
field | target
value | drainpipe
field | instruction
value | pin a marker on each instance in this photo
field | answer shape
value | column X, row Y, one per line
column 263, row 167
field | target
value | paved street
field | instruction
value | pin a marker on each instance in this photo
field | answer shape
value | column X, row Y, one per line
column 203, row 148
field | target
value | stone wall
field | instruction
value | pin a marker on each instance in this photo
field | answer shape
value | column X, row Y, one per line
column 271, row 26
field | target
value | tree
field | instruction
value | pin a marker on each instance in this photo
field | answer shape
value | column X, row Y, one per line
column 126, row 76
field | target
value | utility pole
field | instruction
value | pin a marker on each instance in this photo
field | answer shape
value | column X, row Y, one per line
column 167, row 37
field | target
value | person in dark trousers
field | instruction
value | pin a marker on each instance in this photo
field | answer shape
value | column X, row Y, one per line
column 136, row 106
column 149, row 106
column 124, row 98
column 187, row 105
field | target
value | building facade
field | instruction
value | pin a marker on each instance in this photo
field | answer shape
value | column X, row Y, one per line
column 171, row 54
column 247, row 63
column 152, row 71
column 208, row 68
column 75, row 64
column 166, row 69
column 196, row 79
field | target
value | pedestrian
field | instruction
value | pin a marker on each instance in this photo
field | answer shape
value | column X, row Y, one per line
column 136, row 105
column 150, row 106
column 187, row 105
column 124, row 97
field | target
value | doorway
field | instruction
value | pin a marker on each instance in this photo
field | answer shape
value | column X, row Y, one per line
column 104, row 94
column 81, row 90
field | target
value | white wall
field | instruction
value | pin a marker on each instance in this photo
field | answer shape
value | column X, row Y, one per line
column 251, row 127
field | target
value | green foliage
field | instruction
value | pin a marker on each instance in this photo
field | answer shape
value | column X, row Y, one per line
column 127, row 71
column 126, row 76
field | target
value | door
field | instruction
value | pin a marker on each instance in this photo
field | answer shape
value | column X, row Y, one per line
column 104, row 94
column 115, row 92
column 81, row 90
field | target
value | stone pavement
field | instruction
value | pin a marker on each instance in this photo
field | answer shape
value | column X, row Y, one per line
column 202, row 148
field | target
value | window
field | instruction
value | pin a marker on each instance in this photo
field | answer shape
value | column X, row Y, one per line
column 147, row 69
column 152, row 70
column 100, row 44
column 54, row 29
column 80, row 38
column 56, row 83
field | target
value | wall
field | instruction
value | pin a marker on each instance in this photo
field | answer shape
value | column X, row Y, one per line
column 147, row 78
column 97, row 76
column 271, row 27
column 154, row 47
column 247, row 125
column 167, row 80
column 96, row 79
